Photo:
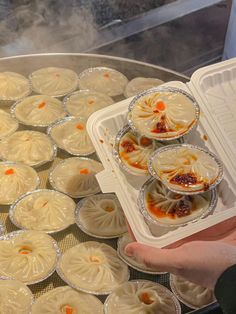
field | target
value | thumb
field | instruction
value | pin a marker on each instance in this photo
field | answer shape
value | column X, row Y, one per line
column 166, row 260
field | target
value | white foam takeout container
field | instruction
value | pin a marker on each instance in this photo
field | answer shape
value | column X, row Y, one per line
column 214, row 88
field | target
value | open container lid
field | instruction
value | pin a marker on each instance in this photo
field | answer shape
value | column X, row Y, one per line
column 214, row 88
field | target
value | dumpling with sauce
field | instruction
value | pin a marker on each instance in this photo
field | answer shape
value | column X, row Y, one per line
column 54, row 81
column 186, row 168
column 76, row 176
column 104, row 80
column 142, row 296
column 93, row 267
column 163, row 114
column 133, row 151
column 38, row 110
column 162, row 206
column 101, row 215
column 70, row 134
column 67, row 300
column 85, row 102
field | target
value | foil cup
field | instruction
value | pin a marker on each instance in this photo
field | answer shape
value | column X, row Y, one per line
column 18, row 225
column 174, row 289
column 14, row 234
column 29, row 292
column 116, row 153
column 61, row 122
column 39, row 126
column 41, row 163
column 80, row 224
column 163, row 290
column 18, row 163
column 151, row 220
column 174, row 147
column 77, row 287
column 121, row 243
column 170, row 90
column 54, row 186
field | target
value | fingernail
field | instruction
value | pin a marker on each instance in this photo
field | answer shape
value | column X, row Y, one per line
column 128, row 251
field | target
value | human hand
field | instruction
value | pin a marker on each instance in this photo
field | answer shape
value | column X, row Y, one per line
column 200, row 258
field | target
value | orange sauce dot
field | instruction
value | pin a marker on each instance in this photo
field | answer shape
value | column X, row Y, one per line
column 84, row 171
column 160, row 105
column 9, row 171
column 109, row 209
column 42, row 105
column 25, row 250
column 106, row 75
column 79, row 127
column 90, row 102
column 145, row 298
column 69, row 310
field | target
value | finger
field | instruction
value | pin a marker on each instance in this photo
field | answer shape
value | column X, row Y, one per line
column 159, row 259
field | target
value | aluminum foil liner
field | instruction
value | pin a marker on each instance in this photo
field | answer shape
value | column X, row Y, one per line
column 151, row 220
column 173, row 147
column 176, row 293
column 164, row 290
column 28, row 291
column 18, row 163
column 121, row 243
column 39, row 164
column 54, row 186
column 80, row 223
column 14, row 205
column 64, row 278
column 62, row 121
column 39, row 126
column 14, row 234
column 172, row 90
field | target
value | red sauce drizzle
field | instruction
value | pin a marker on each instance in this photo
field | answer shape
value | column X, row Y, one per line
column 128, row 146
column 184, row 179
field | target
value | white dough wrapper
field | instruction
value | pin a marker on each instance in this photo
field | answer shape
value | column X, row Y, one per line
column 8, row 125
column 190, row 294
column 16, row 179
column 131, row 261
column 76, row 176
column 101, row 216
column 85, row 102
column 15, row 297
column 28, row 256
column 54, row 81
column 43, row 210
column 143, row 297
column 38, row 110
column 104, row 80
column 163, row 113
column 140, row 84
column 29, row 147
column 165, row 208
column 67, row 300
column 70, row 134
column 92, row 267
column 13, row 86
column 186, row 169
